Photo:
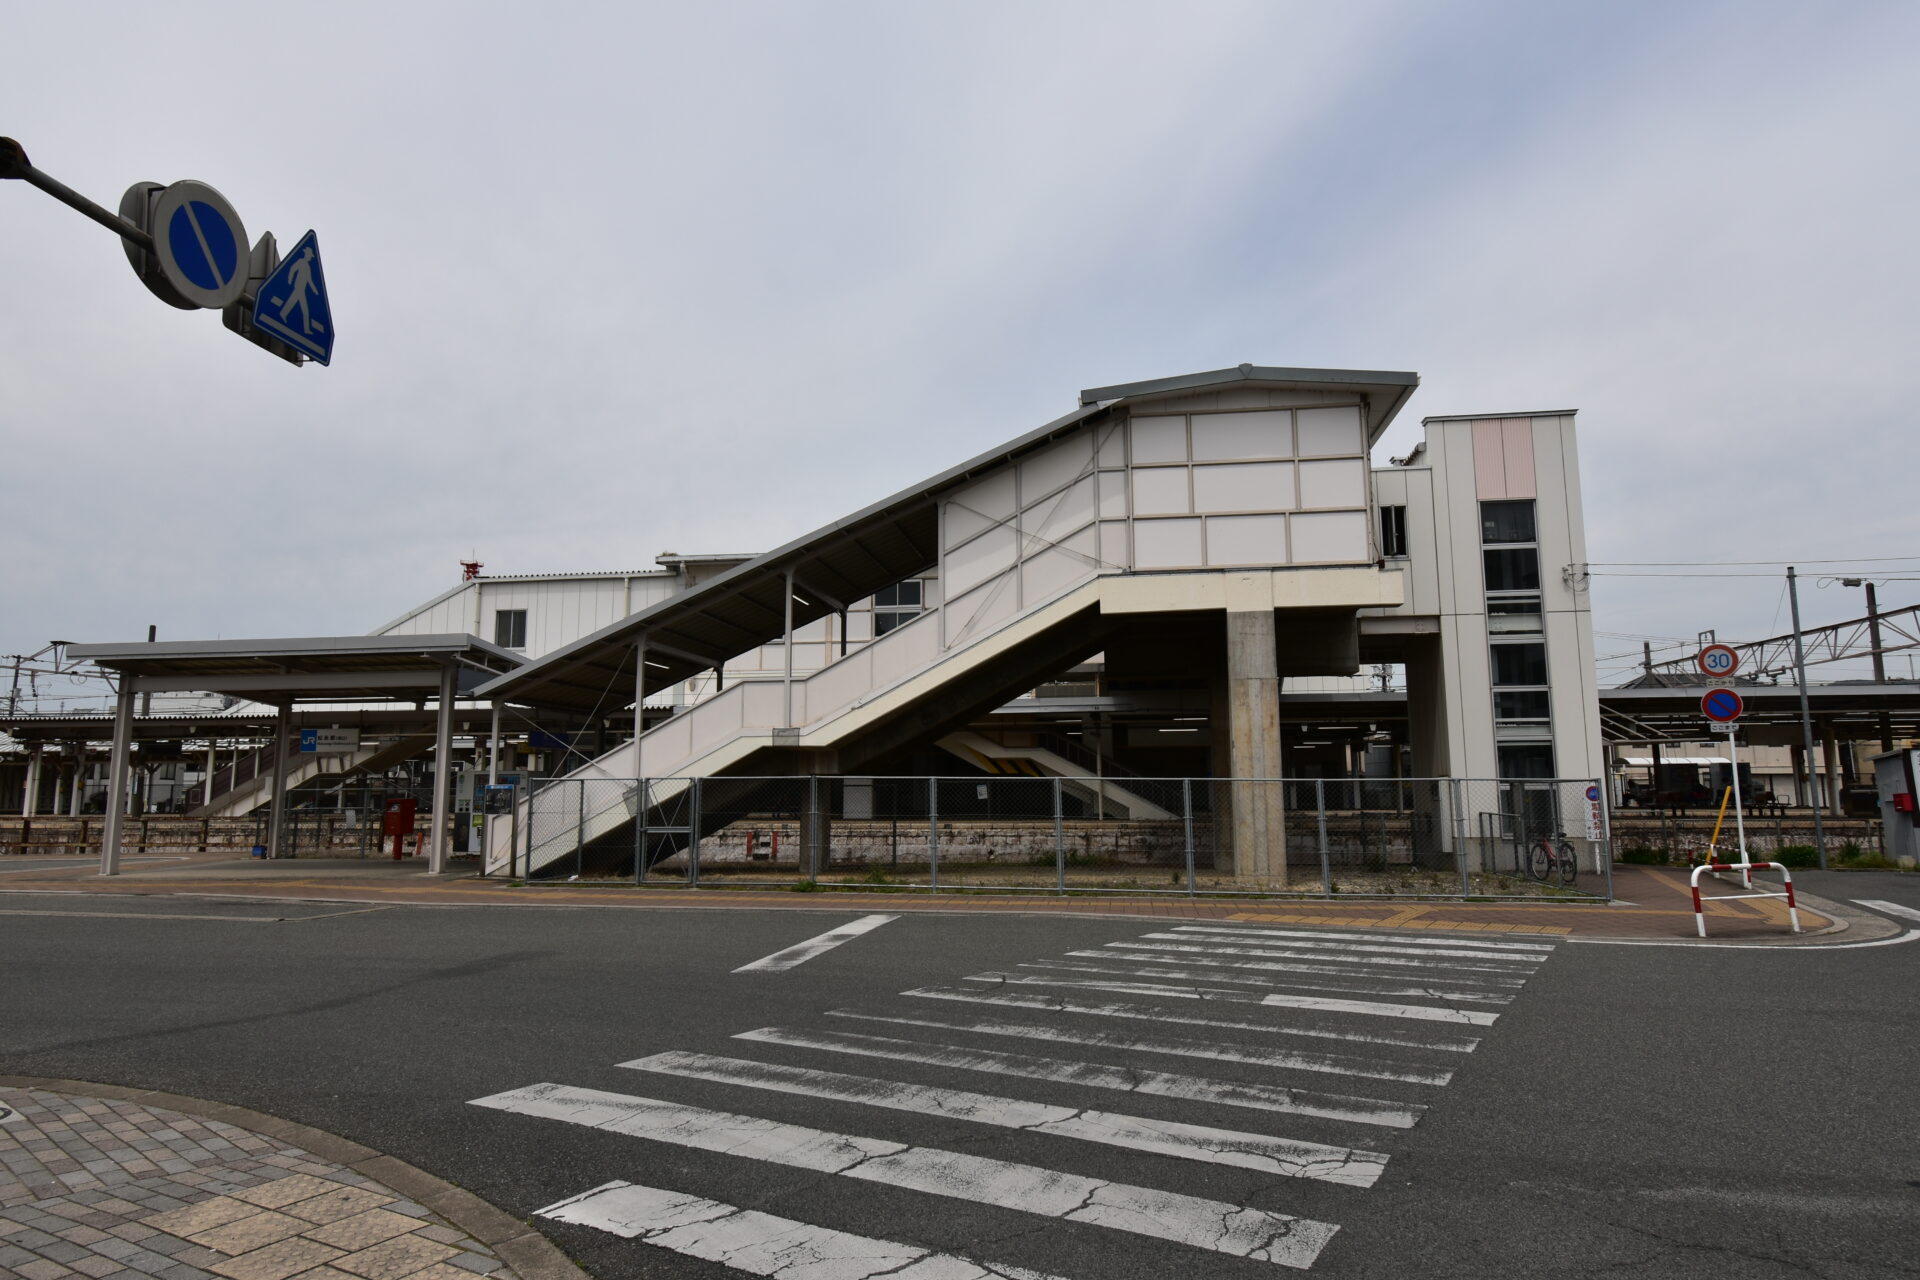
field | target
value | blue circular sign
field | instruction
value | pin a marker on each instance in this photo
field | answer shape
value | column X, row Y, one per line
column 202, row 244
column 199, row 244
column 1721, row 705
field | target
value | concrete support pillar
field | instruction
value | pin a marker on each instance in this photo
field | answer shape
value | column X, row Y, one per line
column 78, row 796
column 814, row 827
column 442, row 774
column 282, row 753
column 30, row 797
column 1253, row 714
column 116, row 807
column 1802, row 791
column 213, row 767
column 1830, row 759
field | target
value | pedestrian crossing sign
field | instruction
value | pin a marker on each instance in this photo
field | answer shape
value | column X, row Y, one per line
column 292, row 303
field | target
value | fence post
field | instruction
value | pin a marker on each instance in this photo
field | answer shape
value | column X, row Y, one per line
column 1186, row 815
column 513, row 833
column 1460, row 835
column 1326, row 862
column 580, row 831
column 1606, row 831
column 1059, row 841
column 640, row 798
column 933, row 832
column 693, row 831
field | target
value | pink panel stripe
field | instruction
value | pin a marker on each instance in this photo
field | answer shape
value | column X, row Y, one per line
column 1489, row 460
column 1518, row 433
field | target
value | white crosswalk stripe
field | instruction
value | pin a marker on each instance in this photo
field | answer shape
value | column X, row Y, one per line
column 1293, row 1059
column 1293, row 952
column 1264, row 1097
column 1284, row 1157
column 1051, row 1003
column 762, row 1244
column 1258, row 993
column 1152, row 966
column 1325, row 935
column 1417, row 1012
column 1240, row 1231
column 1161, row 954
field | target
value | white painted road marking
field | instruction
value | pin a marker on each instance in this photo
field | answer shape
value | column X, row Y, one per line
column 1418, row 1012
column 1284, row 1157
column 1891, row 908
column 1158, row 1013
column 1162, row 953
column 1422, row 1013
column 1247, row 931
column 1162, row 1215
column 1303, row 951
column 761, row 1244
column 801, row 952
column 1294, row 1059
column 1262, row 1097
column 1152, row 966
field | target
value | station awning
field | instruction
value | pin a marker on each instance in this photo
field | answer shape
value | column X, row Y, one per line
column 395, row 668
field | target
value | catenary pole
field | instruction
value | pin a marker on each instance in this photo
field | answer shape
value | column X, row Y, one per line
column 1806, row 713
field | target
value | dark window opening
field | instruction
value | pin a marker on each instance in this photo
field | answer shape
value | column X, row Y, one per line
column 1527, row 760
column 1393, row 531
column 1512, row 569
column 895, row 606
column 510, row 628
column 1507, row 521
column 1513, row 705
column 1519, row 664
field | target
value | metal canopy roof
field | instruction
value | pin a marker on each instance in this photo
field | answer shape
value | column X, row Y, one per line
column 1381, row 392
column 839, row 564
column 333, row 668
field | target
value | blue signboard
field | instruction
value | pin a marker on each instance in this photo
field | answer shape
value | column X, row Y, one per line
column 309, row 739
column 292, row 305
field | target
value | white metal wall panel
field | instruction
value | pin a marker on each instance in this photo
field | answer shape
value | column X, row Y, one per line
column 1246, row 540
column 1329, row 537
column 1339, row 482
column 1160, row 491
column 1330, row 431
column 1246, row 486
column 1167, row 544
column 988, row 555
column 1218, row 436
column 1159, row 439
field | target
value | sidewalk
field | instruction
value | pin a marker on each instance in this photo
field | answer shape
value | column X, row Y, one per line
column 104, row 1183
column 1651, row 903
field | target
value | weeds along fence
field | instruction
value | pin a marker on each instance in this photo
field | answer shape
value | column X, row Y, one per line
column 1430, row 837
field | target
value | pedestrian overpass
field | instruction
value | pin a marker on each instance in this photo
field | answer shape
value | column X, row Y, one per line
column 1220, row 524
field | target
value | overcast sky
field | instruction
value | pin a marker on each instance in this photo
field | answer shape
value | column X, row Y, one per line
column 616, row 279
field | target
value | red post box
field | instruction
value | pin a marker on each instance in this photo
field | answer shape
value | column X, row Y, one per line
column 398, row 821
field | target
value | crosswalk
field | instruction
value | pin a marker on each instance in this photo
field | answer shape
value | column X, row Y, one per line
column 1289, row 1062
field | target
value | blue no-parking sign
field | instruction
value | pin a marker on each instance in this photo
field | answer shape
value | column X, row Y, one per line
column 199, row 244
column 1721, row 706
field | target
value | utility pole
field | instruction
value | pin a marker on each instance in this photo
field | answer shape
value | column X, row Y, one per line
column 1806, row 716
column 1879, row 656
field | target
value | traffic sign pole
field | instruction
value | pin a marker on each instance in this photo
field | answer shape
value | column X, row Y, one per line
column 14, row 164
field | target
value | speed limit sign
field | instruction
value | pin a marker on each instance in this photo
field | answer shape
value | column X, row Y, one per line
column 1719, row 660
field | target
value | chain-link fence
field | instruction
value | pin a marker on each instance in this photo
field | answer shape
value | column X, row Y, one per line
column 1430, row 837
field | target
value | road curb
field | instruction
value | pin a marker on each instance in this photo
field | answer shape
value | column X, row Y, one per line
column 531, row 1255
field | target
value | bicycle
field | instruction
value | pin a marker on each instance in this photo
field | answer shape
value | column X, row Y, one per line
column 1550, row 855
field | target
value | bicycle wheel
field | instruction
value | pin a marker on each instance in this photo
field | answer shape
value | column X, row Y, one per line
column 1569, row 865
column 1539, row 861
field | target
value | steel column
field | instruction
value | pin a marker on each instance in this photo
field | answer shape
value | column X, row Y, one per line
column 277, row 821
column 442, row 774
column 116, row 806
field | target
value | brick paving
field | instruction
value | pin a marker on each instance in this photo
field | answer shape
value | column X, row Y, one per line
column 102, row 1189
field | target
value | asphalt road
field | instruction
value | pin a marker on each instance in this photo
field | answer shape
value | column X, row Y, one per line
column 1642, row 1111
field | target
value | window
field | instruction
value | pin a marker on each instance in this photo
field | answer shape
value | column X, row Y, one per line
column 1519, row 664
column 1514, row 615
column 1511, row 706
column 1393, row 531
column 1507, row 522
column 510, row 628
column 895, row 605
column 1528, row 760
column 1512, row 568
